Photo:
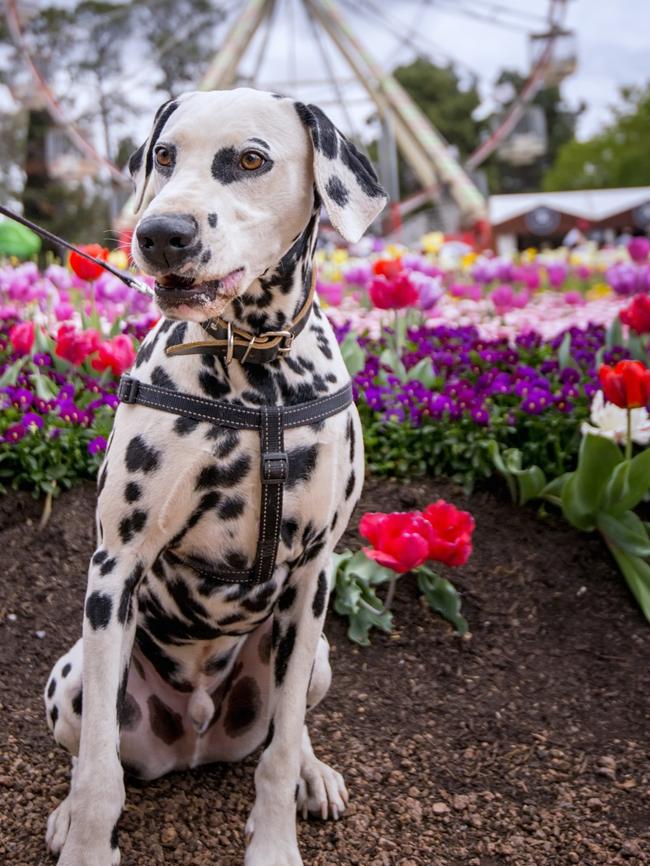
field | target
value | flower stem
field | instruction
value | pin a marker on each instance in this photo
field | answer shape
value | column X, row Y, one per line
column 628, row 441
column 396, row 327
column 47, row 511
column 390, row 595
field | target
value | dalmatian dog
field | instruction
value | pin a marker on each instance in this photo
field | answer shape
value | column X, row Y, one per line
column 176, row 668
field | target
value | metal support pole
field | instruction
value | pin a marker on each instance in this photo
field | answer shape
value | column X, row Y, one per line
column 222, row 72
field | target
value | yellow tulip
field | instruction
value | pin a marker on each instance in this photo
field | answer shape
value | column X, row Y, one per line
column 119, row 259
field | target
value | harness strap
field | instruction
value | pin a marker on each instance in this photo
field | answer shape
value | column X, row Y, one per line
column 270, row 422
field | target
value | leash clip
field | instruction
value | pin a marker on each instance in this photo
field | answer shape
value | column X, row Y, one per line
column 127, row 390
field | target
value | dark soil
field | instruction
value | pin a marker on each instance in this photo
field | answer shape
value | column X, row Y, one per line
column 523, row 743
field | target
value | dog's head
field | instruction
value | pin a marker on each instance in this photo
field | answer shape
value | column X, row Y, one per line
column 224, row 186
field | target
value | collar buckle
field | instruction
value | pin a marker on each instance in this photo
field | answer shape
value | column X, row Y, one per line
column 287, row 340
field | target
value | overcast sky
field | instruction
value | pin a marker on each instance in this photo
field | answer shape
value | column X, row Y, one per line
column 613, row 43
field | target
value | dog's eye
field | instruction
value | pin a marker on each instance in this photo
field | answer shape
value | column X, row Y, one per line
column 163, row 157
column 251, row 160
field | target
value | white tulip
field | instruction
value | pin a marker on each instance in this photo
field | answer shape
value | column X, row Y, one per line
column 610, row 421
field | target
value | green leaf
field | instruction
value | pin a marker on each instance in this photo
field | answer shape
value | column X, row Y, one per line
column 442, row 597
column 553, row 490
column 614, row 336
column 353, row 354
column 637, row 574
column 628, row 484
column 10, row 375
column 584, row 489
column 637, row 347
column 369, row 570
column 626, row 532
column 564, row 353
column 531, row 483
column 45, row 388
column 423, row 372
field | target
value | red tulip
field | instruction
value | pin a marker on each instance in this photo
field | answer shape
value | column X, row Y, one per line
column 637, row 315
column 627, row 384
column 389, row 268
column 21, row 337
column 452, row 533
column 85, row 269
column 393, row 294
column 400, row 541
column 117, row 355
column 75, row 346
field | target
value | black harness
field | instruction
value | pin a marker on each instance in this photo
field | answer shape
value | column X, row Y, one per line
column 270, row 422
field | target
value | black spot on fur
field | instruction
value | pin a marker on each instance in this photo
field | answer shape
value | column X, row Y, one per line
column 77, row 703
column 140, row 456
column 323, row 131
column 224, row 476
column 212, row 220
column 102, row 479
column 205, row 258
column 361, row 168
column 65, row 670
column 219, row 663
column 132, row 492
column 108, row 566
column 224, row 165
column 165, row 723
column 146, row 349
column 244, row 705
column 302, row 463
column 269, row 735
column 177, row 335
column 114, row 836
column 164, row 665
column 349, row 487
column 162, row 379
column 287, row 597
column 318, row 603
column 135, row 160
column 130, row 713
column 99, row 556
column 98, row 610
column 231, row 508
column 337, row 191
column 164, row 113
column 287, row 531
column 54, row 715
column 283, row 654
column 213, row 386
column 334, row 521
column 125, row 609
column 51, row 688
column 183, row 425
column 131, row 525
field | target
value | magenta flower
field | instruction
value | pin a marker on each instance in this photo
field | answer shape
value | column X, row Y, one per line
column 96, row 445
column 639, row 249
column 14, row 433
column 32, row 422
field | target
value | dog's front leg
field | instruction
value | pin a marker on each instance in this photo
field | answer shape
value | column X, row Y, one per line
column 297, row 626
column 97, row 793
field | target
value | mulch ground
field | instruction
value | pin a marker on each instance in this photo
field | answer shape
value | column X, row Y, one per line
column 524, row 743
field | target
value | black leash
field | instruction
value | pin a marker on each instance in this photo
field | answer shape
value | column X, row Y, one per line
column 130, row 281
column 270, row 422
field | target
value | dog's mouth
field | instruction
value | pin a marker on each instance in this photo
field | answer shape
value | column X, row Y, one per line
column 174, row 290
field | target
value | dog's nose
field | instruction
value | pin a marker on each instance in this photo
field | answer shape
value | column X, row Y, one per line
column 167, row 241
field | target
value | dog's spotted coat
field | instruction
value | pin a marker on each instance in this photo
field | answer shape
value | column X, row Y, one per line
column 176, row 668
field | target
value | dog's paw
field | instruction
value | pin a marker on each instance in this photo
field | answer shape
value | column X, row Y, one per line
column 321, row 791
column 58, row 825
column 73, row 850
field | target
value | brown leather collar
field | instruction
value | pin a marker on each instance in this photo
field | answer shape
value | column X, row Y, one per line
column 235, row 343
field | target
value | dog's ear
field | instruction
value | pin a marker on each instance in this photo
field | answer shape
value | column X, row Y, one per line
column 345, row 180
column 141, row 162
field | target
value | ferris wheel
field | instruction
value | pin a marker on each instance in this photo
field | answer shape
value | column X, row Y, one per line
column 328, row 36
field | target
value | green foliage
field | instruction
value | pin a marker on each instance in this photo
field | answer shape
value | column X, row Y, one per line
column 356, row 578
column 439, row 92
column 616, row 157
column 600, row 494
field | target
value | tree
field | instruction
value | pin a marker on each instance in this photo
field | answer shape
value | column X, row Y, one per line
column 560, row 121
column 439, row 92
column 615, row 157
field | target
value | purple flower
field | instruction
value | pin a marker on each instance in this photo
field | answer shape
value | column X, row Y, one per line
column 32, row 421
column 96, row 445
column 639, row 249
column 14, row 433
